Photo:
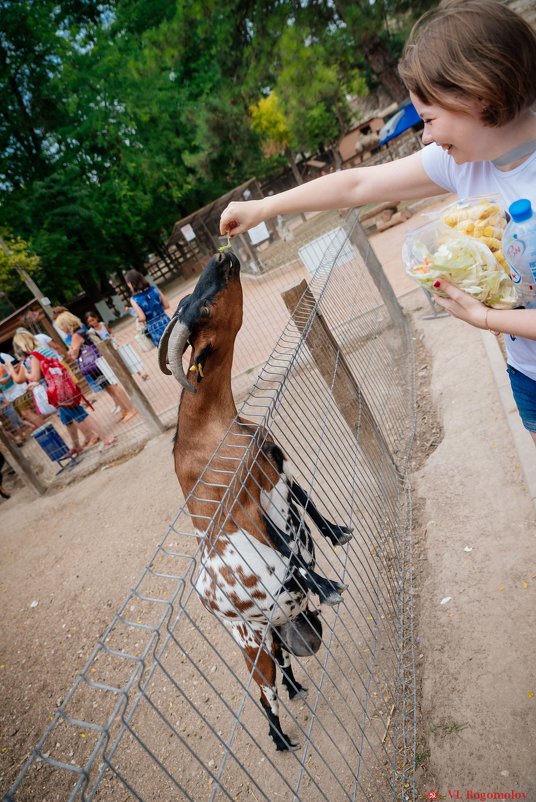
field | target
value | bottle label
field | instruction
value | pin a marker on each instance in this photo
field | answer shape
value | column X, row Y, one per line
column 514, row 275
column 521, row 257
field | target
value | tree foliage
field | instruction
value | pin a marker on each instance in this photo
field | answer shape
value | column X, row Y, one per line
column 15, row 255
column 120, row 116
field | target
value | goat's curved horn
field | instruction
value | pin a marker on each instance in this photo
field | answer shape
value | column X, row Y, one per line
column 176, row 347
column 163, row 347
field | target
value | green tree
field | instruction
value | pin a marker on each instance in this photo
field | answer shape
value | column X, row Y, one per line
column 15, row 255
column 268, row 121
column 120, row 117
column 317, row 108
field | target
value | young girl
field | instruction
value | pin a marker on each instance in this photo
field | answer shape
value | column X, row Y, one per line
column 470, row 68
column 149, row 304
column 127, row 353
column 70, row 324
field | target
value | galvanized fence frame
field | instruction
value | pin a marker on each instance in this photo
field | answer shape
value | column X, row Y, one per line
column 164, row 708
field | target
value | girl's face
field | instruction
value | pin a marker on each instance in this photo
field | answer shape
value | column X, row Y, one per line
column 92, row 321
column 460, row 132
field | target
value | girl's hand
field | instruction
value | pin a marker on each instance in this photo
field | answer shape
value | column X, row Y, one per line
column 239, row 216
column 461, row 305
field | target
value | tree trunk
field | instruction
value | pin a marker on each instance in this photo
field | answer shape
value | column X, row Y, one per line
column 382, row 64
column 293, row 166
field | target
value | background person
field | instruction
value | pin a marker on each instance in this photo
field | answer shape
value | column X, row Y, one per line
column 80, row 344
column 43, row 340
column 15, row 391
column 470, row 68
column 149, row 304
column 74, row 418
column 127, row 353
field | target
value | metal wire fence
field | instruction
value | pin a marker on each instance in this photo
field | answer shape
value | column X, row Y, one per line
column 165, row 707
column 45, row 450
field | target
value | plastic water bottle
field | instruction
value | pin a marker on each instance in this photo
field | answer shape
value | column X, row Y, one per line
column 519, row 248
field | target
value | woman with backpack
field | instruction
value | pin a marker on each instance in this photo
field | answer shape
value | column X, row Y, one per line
column 86, row 353
column 37, row 366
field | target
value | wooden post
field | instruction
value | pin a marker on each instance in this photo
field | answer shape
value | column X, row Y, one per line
column 250, row 252
column 20, row 464
column 138, row 398
column 335, row 370
column 357, row 236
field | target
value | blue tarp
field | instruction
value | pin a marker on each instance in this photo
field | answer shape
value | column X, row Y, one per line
column 405, row 118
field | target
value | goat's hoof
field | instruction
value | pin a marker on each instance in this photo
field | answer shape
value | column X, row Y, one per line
column 340, row 535
column 331, row 600
column 297, row 691
column 284, row 744
column 333, row 597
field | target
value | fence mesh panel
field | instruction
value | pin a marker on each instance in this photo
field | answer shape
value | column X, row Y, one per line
column 165, row 707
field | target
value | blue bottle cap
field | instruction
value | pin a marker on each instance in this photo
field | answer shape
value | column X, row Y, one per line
column 520, row 210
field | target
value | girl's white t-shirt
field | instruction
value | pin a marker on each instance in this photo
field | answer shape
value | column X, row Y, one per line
column 483, row 178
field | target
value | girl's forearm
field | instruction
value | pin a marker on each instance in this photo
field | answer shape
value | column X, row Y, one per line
column 518, row 322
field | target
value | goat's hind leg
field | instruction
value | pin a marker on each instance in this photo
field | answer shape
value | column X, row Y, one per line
column 337, row 535
column 294, row 689
column 262, row 664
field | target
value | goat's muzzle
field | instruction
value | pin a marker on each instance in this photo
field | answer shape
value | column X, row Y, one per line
column 172, row 346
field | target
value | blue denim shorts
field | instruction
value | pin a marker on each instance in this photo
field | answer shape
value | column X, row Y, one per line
column 524, row 390
column 70, row 414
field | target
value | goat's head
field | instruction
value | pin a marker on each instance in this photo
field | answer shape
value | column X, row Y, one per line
column 208, row 319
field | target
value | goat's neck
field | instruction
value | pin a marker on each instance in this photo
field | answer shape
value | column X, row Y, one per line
column 212, row 407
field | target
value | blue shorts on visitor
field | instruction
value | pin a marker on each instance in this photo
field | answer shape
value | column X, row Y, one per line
column 524, row 390
column 70, row 414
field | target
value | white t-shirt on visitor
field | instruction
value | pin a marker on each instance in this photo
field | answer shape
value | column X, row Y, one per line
column 483, row 178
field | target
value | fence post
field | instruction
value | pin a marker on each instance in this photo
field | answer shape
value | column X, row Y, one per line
column 138, row 398
column 357, row 236
column 20, row 464
column 327, row 354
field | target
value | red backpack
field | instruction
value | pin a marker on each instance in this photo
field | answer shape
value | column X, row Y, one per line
column 62, row 391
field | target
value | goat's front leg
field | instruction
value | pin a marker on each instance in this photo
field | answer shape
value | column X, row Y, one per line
column 262, row 664
column 328, row 590
column 294, row 688
column 338, row 535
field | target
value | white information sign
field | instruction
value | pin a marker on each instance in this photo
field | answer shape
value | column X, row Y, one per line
column 188, row 233
column 258, row 233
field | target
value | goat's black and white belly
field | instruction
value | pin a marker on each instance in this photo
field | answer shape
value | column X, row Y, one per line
column 242, row 579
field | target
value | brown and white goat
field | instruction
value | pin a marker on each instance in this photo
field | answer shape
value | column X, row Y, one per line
column 257, row 564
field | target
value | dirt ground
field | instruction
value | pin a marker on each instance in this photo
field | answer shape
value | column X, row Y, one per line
column 55, row 609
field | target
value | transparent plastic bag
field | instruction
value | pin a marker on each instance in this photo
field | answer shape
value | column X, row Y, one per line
column 481, row 217
column 437, row 251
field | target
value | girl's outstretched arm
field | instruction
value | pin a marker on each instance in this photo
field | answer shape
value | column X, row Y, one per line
column 403, row 179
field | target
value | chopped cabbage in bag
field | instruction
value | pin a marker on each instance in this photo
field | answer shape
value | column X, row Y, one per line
column 435, row 251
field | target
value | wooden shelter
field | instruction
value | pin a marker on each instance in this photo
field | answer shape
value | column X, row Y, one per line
column 32, row 317
column 360, row 141
column 200, row 231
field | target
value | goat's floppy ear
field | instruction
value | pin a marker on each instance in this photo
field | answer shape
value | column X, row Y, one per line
column 182, row 302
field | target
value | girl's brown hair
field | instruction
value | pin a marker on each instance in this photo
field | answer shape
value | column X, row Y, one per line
column 477, row 49
column 137, row 280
